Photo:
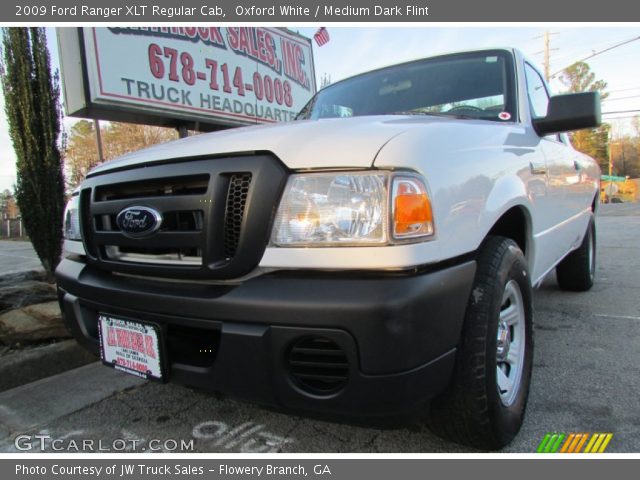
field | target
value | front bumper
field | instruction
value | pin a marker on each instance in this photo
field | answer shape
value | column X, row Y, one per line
column 397, row 332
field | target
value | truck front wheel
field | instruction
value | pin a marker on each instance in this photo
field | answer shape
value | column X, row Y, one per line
column 485, row 403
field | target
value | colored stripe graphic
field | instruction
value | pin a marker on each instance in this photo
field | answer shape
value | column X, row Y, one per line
column 543, row 443
column 581, row 443
column 605, row 444
column 573, row 442
column 550, row 443
column 571, row 439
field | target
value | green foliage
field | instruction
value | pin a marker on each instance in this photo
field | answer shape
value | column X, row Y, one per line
column 625, row 150
column 595, row 142
column 33, row 112
column 82, row 152
column 579, row 78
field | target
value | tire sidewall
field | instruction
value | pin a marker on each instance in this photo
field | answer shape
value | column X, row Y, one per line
column 506, row 421
column 591, row 233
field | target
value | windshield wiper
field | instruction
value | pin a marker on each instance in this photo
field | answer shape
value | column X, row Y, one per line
column 416, row 112
column 435, row 114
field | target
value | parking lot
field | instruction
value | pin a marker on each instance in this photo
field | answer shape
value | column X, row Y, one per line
column 17, row 256
column 586, row 379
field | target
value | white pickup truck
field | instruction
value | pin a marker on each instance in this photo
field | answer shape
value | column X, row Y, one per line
column 375, row 257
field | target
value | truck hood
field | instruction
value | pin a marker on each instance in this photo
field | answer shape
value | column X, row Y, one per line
column 327, row 143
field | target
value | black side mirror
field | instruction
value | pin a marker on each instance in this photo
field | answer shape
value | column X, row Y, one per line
column 572, row 111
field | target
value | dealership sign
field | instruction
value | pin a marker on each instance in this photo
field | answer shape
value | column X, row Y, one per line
column 202, row 77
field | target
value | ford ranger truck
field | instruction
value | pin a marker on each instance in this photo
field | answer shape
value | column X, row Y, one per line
column 373, row 258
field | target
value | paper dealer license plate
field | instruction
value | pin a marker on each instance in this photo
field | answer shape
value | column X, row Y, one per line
column 132, row 347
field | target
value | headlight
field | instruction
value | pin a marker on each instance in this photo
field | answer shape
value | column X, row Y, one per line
column 71, row 226
column 352, row 208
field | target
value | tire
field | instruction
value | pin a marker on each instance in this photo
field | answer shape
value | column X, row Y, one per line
column 577, row 271
column 478, row 409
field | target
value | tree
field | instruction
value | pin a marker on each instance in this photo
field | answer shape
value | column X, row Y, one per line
column 82, row 152
column 117, row 139
column 122, row 138
column 594, row 142
column 625, row 149
column 33, row 112
column 5, row 198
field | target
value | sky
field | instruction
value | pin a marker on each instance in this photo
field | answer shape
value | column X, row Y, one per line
column 353, row 50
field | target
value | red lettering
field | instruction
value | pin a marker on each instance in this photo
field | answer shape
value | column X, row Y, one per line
column 270, row 49
column 123, row 338
column 148, row 343
column 261, row 44
column 216, row 36
column 293, row 62
column 191, row 32
column 232, row 37
column 243, row 44
column 137, row 342
column 111, row 337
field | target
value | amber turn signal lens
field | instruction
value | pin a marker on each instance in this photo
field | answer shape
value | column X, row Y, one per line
column 412, row 211
column 412, row 214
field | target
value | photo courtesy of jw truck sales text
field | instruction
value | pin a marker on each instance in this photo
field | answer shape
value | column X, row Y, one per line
column 283, row 224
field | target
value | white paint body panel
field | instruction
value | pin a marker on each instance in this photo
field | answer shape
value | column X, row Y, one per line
column 330, row 143
column 475, row 171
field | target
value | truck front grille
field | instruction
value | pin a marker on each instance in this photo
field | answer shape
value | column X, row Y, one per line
column 234, row 214
column 216, row 217
column 157, row 187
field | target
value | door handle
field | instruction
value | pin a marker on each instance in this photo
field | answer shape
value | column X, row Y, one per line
column 537, row 170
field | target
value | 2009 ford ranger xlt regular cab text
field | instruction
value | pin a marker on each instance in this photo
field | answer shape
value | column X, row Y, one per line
column 373, row 258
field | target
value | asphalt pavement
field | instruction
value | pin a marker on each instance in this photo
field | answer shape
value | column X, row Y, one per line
column 586, row 379
column 17, row 256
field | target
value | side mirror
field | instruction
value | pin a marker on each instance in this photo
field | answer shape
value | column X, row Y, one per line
column 572, row 111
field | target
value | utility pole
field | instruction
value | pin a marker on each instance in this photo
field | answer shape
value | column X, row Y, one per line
column 546, row 53
column 610, row 171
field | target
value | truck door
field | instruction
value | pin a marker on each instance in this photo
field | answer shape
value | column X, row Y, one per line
column 561, row 205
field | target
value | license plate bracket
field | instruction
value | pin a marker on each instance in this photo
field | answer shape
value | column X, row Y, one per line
column 131, row 346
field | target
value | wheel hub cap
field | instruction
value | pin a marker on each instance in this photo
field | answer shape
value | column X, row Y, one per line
column 503, row 342
column 510, row 344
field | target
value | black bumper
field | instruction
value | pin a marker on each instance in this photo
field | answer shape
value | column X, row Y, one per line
column 398, row 333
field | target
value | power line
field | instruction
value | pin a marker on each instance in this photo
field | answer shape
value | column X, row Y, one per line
column 598, row 53
column 620, row 98
column 621, row 111
column 578, row 50
column 623, row 89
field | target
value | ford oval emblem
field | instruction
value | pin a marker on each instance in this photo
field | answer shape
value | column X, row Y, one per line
column 137, row 222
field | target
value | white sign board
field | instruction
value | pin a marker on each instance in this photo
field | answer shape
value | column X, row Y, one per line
column 217, row 75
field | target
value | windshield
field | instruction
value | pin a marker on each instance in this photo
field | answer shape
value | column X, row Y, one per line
column 470, row 85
